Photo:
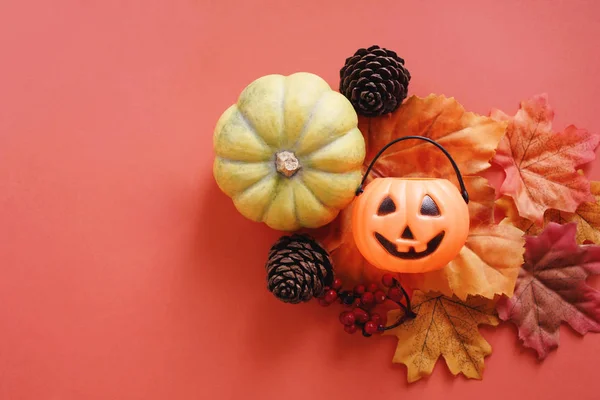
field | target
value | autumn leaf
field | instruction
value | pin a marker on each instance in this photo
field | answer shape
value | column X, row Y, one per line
column 541, row 166
column 490, row 260
column 508, row 206
column 471, row 139
column 447, row 327
column 587, row 217
column 552, row 289
column 487, row 265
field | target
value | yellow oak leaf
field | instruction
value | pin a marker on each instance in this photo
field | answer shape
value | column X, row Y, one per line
column 587, row 217
column 447, row 327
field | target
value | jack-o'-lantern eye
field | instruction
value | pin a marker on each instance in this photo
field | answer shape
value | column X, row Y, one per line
column 428, row 207
column 387, row 206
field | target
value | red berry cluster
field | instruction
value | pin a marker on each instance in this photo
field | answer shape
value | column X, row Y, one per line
column 362, row 300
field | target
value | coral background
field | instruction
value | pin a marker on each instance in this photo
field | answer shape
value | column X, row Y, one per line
column 126, row 274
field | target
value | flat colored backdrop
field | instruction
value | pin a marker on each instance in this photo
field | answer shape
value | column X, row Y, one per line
column 126, row 274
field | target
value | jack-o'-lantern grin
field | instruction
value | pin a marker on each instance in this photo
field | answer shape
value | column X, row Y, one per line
column 411, row 254
column 428, row 208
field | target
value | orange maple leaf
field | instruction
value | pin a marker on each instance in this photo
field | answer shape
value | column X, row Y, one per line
column 471, row 139
column 541, row 166
column 587, row 217
column 489, row 262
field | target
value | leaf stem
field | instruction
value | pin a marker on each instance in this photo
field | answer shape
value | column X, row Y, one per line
column 408, row 311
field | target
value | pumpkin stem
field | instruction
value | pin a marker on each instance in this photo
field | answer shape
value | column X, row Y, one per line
column 287, row 163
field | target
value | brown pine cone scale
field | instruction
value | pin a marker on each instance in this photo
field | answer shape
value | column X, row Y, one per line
column 298, row 269
column 375, row 81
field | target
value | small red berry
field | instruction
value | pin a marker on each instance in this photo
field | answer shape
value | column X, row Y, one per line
column 350, row 329
column 395, row 294
column 371, row 328
column 337, row 284
column 360, row 315
column 380, row 297
column 323, row 302
column 360, row 289
column 331, row 296
column 373, row 287
column 387, row 280
column 367, row 299
column 347, row 318
column 376, row 318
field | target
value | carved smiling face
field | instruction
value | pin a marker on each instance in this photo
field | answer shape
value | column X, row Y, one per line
column 410, row 225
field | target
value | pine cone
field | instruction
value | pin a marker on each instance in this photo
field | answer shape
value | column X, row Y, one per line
column 375, row 81
column 298, row 269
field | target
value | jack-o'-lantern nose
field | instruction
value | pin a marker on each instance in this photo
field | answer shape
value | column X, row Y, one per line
column 407, row 234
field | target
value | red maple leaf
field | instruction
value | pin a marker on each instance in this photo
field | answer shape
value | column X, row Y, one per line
column 540, row 165
column 552, row 289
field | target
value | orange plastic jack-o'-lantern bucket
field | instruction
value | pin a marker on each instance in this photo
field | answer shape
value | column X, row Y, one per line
column 410, row 225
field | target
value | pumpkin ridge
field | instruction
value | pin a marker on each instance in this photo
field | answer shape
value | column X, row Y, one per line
column 311, row 115
column 252, row 129
column 343, row 154
column 282, row 134
column 225, row 163
column 273, row 195
column 332, row 141
column 315, row 179
column 295, row 203
column 242, row 162
column 264, row 178
column 321, row 171
column 325, row 213
column 313, row 193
